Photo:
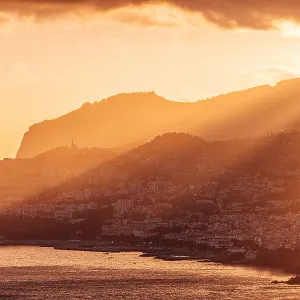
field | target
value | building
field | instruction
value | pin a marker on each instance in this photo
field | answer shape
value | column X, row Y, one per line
column 63, row 214
column 123, row 206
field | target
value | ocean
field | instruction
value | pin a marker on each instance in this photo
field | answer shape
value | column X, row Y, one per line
column 33, row 273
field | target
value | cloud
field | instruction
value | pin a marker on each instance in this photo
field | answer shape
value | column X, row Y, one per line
column 144, row 19
column 4, row 19
column 254, row 14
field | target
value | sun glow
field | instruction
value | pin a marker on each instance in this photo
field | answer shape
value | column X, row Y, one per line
column 289, row 29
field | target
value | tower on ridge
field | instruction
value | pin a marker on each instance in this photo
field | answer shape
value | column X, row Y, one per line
column 73, row 146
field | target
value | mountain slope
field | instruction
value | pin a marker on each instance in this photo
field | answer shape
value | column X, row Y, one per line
column 131, row 119
column 113, row 123
column 21, row 178
column 185, row 160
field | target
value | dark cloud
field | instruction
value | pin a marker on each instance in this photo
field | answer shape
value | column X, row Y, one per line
column 256, row 14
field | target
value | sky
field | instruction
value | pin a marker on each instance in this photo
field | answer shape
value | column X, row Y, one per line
column 56, row 55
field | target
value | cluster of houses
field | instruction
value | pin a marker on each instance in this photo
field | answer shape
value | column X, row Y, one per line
column 211, row 213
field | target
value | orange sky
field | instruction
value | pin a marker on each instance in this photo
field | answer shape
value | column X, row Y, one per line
column 51, row 67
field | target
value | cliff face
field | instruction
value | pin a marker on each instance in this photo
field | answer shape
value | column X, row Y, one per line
column 130, row 119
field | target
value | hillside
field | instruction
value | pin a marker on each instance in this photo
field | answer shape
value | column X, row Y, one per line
column 184, row 160
column 126, row 120
column 120, row 121
column 20, row 178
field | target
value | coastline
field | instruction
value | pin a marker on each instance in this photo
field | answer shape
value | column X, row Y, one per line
column 163, row 253
column 167, row 254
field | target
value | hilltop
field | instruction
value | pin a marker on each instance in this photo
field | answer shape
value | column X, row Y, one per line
column 120, row 121
column 128, row 120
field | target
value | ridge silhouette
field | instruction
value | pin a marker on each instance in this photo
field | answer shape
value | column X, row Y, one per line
column 127, row 120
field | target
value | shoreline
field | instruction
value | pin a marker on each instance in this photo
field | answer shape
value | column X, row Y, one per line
column 166, row 254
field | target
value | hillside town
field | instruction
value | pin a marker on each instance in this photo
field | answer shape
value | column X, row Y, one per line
column 201, row 215
column 195, row 204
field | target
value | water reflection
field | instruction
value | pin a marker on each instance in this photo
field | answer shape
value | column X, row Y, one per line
column 45, row 273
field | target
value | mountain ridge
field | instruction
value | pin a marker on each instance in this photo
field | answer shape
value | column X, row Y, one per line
column 126, row 119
